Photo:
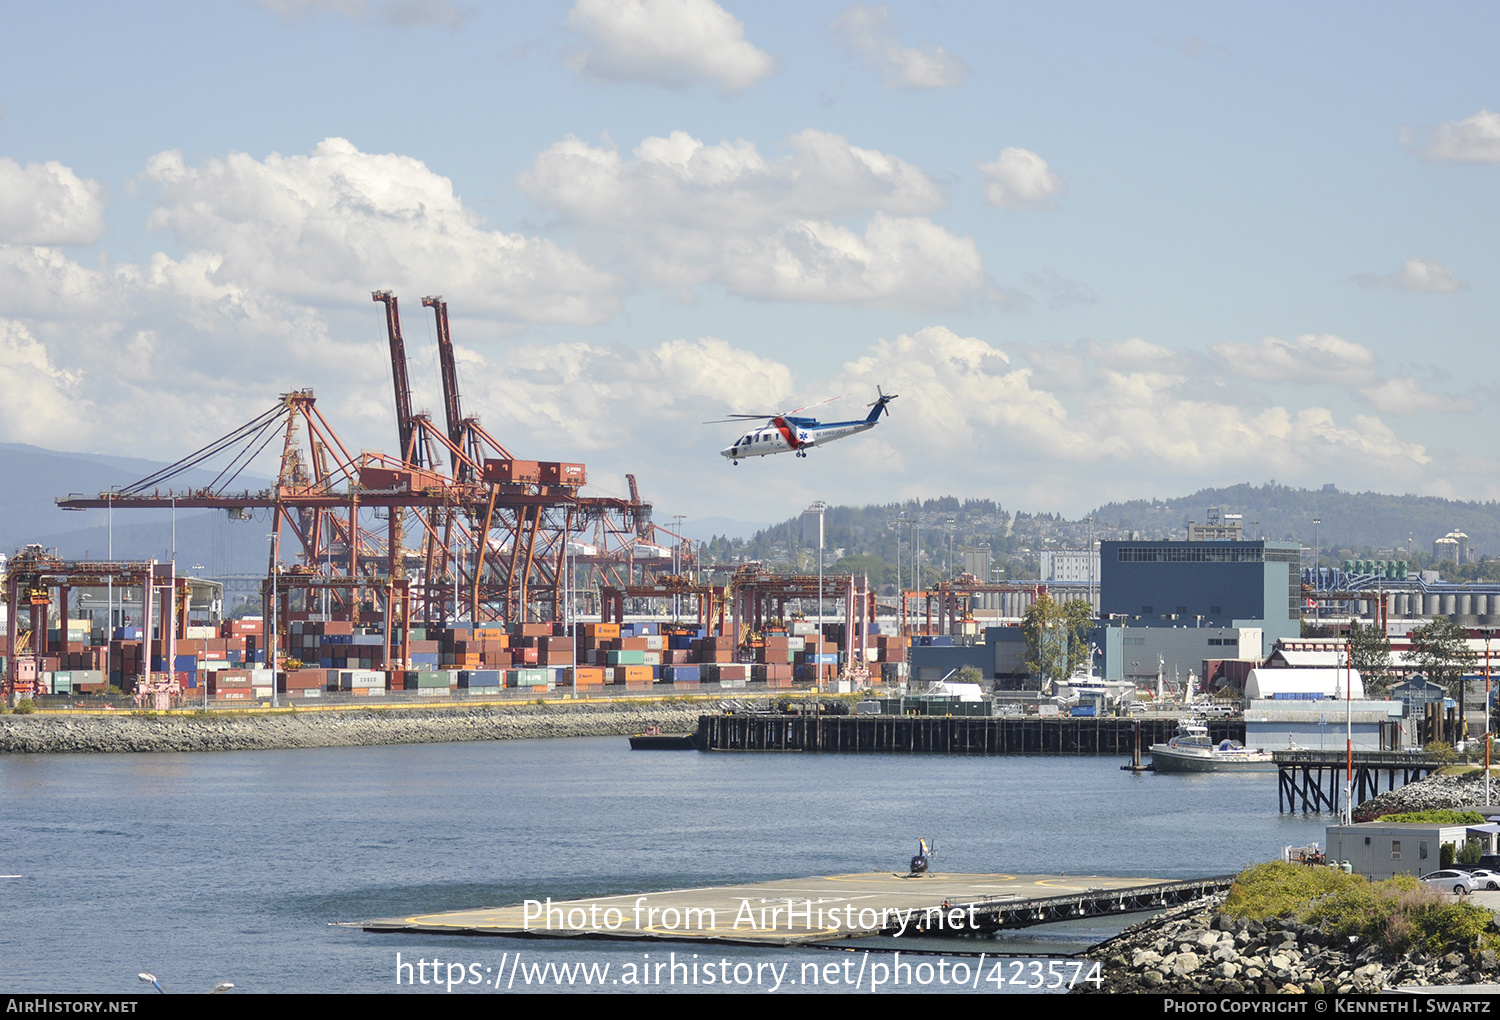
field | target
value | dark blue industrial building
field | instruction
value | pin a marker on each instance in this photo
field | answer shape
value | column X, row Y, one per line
column 1203, row 584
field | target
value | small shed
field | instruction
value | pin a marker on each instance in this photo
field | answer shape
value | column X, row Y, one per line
column 1379, row 850
column 1416, row 693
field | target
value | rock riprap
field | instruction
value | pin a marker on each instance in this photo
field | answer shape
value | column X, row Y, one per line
column 137, row 732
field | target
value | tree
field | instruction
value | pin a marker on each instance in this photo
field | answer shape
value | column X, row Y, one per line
column 1440, row 651
column 1370, row 654
column 1080, row 619
column 1044, row 627
column 1056, row 638
column 969, row 675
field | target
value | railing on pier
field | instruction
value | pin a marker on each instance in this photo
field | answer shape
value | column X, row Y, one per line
column 1315, row 779
column 994, row 915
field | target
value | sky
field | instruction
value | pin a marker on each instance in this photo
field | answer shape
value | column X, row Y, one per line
column 1101, row 251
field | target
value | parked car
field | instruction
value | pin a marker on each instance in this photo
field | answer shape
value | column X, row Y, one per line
column 1458, row 882
column 1484, row 878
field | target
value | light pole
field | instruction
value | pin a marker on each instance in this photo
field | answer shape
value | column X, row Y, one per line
column 273, row 537
column 1090, row 519
column 914, row 551
column 819, row 508
column 900, row 592
column 109, row 629
column 681, row 562
column 952, row 519
column 1488, row 633
column 1317, row 573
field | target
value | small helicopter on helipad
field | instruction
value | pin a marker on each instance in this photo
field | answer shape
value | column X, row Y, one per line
column 787, row 433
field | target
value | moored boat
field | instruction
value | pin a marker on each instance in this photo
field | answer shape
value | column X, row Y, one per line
column 1191, row 750
column 655, row 740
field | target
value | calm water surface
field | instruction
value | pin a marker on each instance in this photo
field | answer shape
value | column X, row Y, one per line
column 214, row 867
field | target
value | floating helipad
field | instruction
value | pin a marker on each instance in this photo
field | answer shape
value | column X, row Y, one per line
column 798, row 910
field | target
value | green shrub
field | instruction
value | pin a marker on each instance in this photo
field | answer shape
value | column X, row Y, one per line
column 1438, row 817
column 1445, row 856
column 25, row 706
column 1279, row 889
column 1471, row 852
column 1397, row 914
column 1441, row 751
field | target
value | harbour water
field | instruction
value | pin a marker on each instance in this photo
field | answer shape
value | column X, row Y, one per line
column 211, row 867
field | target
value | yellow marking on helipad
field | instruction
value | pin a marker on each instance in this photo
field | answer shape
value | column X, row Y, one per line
column 784, row 911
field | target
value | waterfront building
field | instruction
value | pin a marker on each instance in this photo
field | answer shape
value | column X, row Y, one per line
column 1381, row 850
column 1176, row 584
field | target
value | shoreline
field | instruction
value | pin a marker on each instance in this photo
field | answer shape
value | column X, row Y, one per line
column 281, row 729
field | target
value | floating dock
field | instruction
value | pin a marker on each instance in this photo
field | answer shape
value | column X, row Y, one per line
column 938, row 734
column 804, row 910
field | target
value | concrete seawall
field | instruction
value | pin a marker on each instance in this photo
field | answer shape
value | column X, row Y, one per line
column 144, row 732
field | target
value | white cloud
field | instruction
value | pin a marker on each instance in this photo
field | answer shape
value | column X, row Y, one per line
column 897, row 262
column 683, row 214
column 48, row 204
column 41, row 403
column 1020, row 179
column 591, row 397
column 868, row 30
column 1428, row 275
column 1402, row 394
column 673, row 43
column 728, row 185
column 1320, row 359
column 1128, row 417
column 1474, row 139
column 269, row 293
column 332, row 226
column 45, row 282
column 1310, row 358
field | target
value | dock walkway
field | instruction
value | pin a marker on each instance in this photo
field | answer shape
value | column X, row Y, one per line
column 803, row 910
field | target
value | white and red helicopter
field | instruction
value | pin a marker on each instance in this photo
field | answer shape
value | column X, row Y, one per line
column 787, row 433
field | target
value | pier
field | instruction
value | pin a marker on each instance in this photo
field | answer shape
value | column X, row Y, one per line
column 820, row 909
column 1313, row 781
column 964, row 735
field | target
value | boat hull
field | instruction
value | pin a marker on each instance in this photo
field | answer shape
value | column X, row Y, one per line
column 1167, row 760
column 663, row 742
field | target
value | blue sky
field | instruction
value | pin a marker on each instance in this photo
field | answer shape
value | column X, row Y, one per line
column 1102, row 251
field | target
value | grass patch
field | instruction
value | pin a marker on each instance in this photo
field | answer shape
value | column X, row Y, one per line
column 1439, row 817
column 1279, row 889
column 1398, row 914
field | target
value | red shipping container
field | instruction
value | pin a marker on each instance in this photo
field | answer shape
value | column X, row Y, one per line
column 562, row 474
column 497, row 470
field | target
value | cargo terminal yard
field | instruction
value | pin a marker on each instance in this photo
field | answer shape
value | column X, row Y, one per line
column 456, row 573
column 452, row 570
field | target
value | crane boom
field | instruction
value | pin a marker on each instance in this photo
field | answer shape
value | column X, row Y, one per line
column 452, row 410
column 404, row 426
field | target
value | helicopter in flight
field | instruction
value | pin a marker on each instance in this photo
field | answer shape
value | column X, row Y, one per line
column 788, row 433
